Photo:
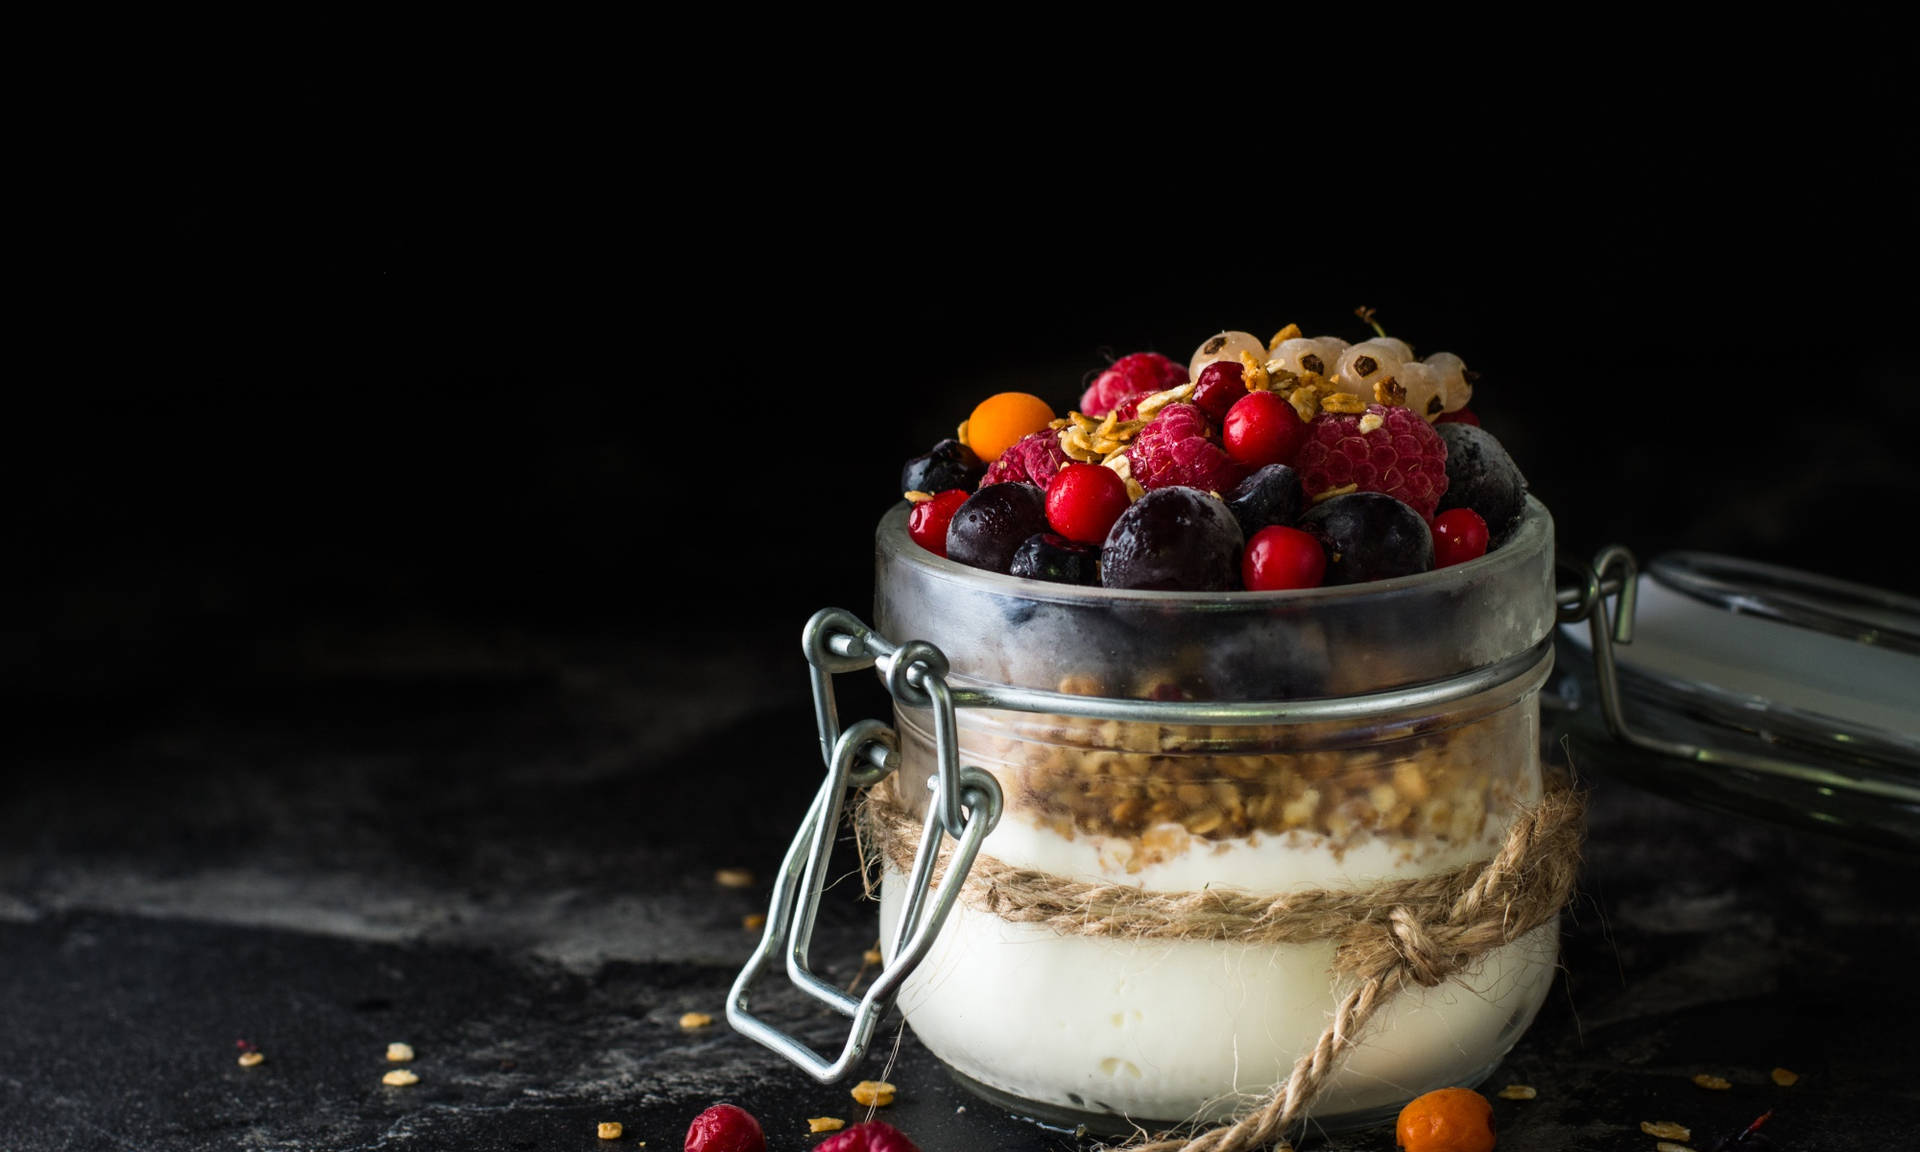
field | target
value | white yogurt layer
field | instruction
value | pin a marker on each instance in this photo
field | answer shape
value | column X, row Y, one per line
column 1167, row 1030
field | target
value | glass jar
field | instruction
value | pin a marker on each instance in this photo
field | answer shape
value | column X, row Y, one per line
column 1366, row 733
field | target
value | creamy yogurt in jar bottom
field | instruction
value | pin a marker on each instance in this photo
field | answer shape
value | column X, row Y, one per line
column 1083, row 1029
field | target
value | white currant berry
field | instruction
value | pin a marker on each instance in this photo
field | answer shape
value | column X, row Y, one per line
column 1226, row 346
column 1369, row 361
column 1316, row 354
column 1455, row 390
column 1422, row 382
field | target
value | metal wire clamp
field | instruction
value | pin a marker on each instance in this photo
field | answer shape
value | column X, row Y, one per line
column 965, row 804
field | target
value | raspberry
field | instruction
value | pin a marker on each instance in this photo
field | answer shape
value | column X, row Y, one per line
column 1130, row 377
column 873, row 1136
column 1177, row 447
column 1403, row 457
column 1033, row 458
column 725, row 1128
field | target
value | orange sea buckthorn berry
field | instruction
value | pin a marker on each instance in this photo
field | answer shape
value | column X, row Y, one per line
column 1003, row 418
column 1446, row 1120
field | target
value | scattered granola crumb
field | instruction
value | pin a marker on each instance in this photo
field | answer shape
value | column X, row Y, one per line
column 753, row 921
column 733, row 878
column 1666, row 1129
column 1670, row 1146
column 825, row 1124
column 872, row 956
column 693, row 1020
column 1517, row 1092
column 399, row 1053
column 1709, row 1080
column 249, row 1058
column 873, row 1093
column 1784, row 1077
column 611, row 1129
column 400, row 1078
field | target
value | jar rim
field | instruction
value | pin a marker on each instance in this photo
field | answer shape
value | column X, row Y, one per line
column 1533, row 532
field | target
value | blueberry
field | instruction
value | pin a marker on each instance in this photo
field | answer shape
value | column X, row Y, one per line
column 1370, row 536
column 1051, row 556
column 1270, row 496
column 993, row 523
column 1481, row 476
column 948, row 464
column 1174, row 539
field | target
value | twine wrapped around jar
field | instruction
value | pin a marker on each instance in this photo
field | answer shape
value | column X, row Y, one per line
column 1398, row 933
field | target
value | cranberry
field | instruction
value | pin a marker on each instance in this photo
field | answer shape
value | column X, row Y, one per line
column 1281, row 557
column 725, row 1128
column 928, row 521
column 1083, row 501
column 1459, row 416
column 1220, row 384
column 873, row 1136
column 1458, row 534
column 1262, row 429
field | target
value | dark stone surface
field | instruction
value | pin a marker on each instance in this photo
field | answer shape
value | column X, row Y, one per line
column 502, row 849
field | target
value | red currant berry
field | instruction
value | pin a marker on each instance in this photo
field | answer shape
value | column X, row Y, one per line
column 928, row 521
column 1458, row 534
column 1221, row 383
column 1282, row 557
column 1083, row 501
column 1262, row 429
column 1459, row 416
column 725, row 1128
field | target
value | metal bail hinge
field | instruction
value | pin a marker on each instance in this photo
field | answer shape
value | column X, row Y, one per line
column 965, row 804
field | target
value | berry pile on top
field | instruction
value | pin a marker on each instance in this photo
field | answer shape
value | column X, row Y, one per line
column 1285, row 463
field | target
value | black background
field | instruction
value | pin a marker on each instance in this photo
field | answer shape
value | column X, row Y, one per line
column 348, row 347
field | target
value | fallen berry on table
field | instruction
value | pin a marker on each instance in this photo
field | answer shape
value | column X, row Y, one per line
column 725, row 1128
column 928, row 521
column 1459, row 535
column 873, row 1136
column 1446, row 1120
